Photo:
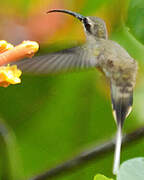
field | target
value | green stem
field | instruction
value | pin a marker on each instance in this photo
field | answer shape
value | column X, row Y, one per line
column 11, row 148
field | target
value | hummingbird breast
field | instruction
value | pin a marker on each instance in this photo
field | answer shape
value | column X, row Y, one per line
column 119, row 67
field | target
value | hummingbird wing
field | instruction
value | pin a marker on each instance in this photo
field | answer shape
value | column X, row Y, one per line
column 62, row 61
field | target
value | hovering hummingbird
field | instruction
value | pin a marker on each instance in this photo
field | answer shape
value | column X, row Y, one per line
column 99, row 52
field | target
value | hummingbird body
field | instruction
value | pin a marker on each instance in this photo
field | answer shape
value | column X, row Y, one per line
column 108, row 56
column 120, row 69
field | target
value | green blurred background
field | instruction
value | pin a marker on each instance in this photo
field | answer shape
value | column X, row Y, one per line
column 47, row 120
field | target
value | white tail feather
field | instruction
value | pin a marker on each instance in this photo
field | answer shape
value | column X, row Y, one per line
column 117, row 150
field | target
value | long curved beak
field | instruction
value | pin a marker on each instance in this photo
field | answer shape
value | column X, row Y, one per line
column 78, row 16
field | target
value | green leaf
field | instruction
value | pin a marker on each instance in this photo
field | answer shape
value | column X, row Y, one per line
column 101, row 177
column 95, row 4
column 129, row 42
column 135, row 19
column 132, row 169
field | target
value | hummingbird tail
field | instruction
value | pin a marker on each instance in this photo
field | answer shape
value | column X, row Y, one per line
column 122, row 99
column 117, row 150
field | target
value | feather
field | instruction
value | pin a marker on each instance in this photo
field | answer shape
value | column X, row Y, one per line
column 122, row 99
column 62, row 61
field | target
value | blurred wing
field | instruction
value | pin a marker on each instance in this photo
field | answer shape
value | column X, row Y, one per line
column 62, row 61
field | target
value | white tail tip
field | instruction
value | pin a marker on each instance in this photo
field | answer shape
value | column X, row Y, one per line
column 117, row 150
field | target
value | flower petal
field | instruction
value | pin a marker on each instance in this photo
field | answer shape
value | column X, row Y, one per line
column 9, row 75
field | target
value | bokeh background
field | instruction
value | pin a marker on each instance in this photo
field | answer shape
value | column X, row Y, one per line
column 46, row 120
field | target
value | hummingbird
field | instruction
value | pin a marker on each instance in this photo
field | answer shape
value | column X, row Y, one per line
column 97, row 52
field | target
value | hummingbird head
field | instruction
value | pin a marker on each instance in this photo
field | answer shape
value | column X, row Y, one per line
column 93, row 25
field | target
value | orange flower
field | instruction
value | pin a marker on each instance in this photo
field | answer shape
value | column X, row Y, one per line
column 9, row 53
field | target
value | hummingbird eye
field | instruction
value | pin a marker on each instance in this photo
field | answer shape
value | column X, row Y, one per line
column 87, row 25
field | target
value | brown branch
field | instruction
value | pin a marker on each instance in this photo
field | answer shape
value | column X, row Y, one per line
column 89, row 155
